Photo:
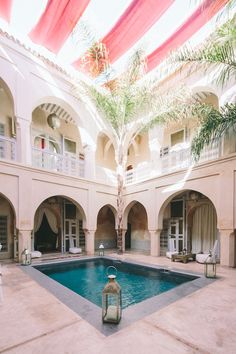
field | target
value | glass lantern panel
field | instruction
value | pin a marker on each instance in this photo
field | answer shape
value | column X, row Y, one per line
column 210, row 270
column 111, row 308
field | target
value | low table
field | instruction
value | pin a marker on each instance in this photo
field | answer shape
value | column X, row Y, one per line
column 183, row 257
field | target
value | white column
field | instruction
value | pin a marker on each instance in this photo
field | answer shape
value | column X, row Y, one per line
column 23, row 141
column 90, row 161
column 155, row 242
column 89, row 241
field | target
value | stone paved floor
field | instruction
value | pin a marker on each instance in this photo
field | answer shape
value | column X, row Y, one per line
column 32, row 320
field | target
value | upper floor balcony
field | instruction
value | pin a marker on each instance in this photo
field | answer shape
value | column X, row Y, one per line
column 170, row 160
column 67, row 164
column 7, row 148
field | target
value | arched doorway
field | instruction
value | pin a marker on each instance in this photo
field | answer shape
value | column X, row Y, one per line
column 106, row 233
column 7, row 230
column 137, row 237
column 190, row 220
column 7, row 124
column 58, row 221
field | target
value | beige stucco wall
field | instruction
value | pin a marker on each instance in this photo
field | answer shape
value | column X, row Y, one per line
column 32, row 82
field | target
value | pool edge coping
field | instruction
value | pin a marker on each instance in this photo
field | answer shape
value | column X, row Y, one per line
column 93, row 313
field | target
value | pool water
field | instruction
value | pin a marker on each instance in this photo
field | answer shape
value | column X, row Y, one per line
column 88, row 277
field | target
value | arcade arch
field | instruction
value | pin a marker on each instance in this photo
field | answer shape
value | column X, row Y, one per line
column 7, row 229
column 190, row 219
column 106, row 232
column 137, row 236
column 56, row 220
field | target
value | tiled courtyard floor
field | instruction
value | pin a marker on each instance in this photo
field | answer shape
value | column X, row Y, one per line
column 32, row 320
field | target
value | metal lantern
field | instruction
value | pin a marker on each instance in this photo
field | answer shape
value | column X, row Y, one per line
column 210, row 267
column 26, row 257
column 101, row 250
column 53, row 121
column 111, row 300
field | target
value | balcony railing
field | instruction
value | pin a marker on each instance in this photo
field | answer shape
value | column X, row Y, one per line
column 67, row 164
column 173, row 161
column 7, row 148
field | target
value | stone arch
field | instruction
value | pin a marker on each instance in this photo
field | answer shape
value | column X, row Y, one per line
column 138, row 152
column 8, row 228
column 212, row 198
column 8, row 84
column 58, row 102
column 136, row 222
column 68, row 119
column 81, row 209
column 61, row 217
column 7, row 110
column 106, row 227
column 105, row 151
column 205, row 88
column 189, row 217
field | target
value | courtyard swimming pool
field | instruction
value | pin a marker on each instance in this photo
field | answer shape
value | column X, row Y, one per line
column 88, row 277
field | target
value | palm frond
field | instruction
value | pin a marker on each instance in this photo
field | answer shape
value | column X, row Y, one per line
column 213, row 126
column 217, row 55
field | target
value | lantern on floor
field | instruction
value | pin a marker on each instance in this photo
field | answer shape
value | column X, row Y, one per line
column 210, row 267
column 111, row 299
column 26, row 257
column 101, row 250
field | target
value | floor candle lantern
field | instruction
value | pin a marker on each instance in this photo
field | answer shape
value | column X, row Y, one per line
column 210, row 267
column 101, row 250
column 26, row 257
column 111, row 299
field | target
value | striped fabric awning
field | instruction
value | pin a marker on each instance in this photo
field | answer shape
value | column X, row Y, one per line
column 118, row 25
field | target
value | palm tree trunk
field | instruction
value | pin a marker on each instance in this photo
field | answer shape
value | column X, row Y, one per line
column 120, row 198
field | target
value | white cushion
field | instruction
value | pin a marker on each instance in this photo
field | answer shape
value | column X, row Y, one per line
column 36, row 254
column 169, row 253
column 75, row 250
column 202, row 257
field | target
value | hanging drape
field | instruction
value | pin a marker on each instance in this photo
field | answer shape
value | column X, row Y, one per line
column 5, row 9
column 203, row 228
column 198, row 19
column 57, row 22
column 131, row 26
column 51, row 218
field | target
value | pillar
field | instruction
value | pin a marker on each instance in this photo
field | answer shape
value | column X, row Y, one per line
column 89, row 241
column 89, row 168
column 155, row 242
column 227, row 247
column 123, row 240
column 23, row 141
column 24, row 241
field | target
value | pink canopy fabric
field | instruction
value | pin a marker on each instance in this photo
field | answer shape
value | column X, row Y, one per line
column 57, row 22
column 199, row 18
column 131, row 26
column 5, row 9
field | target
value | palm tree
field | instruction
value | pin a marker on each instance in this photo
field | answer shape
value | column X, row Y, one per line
column 130, row 104
column 218, row 55
column 214, row 124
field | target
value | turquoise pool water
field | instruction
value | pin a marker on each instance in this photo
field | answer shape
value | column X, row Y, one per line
column 88, row 277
